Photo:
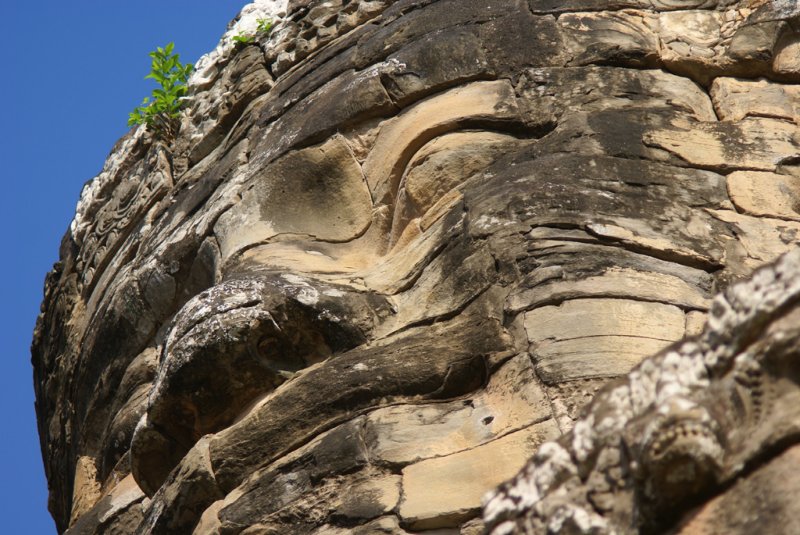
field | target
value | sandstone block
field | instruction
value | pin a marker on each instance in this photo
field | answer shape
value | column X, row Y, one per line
column 761, row 239
column 584, row 338
column 610, row 36
column 766, row 194
column 736, row 99
column 371, row 498
column 443, row 491
column 787, row 59
column 615, row 283
column 754, row 143
column 396, row 245
column 119, row 511
column 404, row 434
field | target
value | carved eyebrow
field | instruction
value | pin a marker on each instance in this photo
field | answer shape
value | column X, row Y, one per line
column 400, row 138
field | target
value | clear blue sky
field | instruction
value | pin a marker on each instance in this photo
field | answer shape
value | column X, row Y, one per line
column 72, row 72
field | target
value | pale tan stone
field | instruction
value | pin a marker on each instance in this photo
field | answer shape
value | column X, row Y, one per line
column 787, row 60
column 444, row 491
column 736, row 99
column 618, row 282
column 585, row 338
column 209, row 523
column 690, row 36
column 641, row 234
column 765, row 194
column 600, row 356
column 305, row 259
column 324, row 180
column 627, row 32
column 427, row 189
column 121, row 496
column 753, row 143
column 581, row 318
column 760, row 239
column 362, row 137
column 441, row 289
column 695, row 322
column 331, row 530
column 400, row 138
column 410, row 231
column 446, row 161
column 512, row 399
column 86, row 487
column 392, row 273
column 442, row 206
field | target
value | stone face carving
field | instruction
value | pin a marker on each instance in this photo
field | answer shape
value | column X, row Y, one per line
column 397, row 246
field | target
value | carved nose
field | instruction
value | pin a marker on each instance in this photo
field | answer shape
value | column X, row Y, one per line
column 230, row 345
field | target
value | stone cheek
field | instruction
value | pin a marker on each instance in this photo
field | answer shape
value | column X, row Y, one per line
column 398, row 247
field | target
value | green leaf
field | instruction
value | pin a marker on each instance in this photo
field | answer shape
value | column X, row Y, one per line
column 265, row 25
column 162, row 113
column 243, row 38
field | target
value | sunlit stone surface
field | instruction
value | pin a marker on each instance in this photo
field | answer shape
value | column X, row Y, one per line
column 397, row 246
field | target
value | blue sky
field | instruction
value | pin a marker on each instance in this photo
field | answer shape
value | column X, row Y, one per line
column 76, row 70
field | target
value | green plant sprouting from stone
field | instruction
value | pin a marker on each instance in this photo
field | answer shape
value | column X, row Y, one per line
column 264, row 28
column 161, row 113
column 265, row 25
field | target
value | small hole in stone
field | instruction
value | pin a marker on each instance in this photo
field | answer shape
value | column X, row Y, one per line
column 488, row 420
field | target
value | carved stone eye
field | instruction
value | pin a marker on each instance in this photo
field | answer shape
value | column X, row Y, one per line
column 289, row 350
column 230, row 345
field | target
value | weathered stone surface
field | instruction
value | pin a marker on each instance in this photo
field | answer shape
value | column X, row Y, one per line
column 787, row 59
column 765, row 194
column 325, row 180
column 426, row 365
column 188, row 491
column 756, row 144
column 120, row 511
column 403, row 137
column 588, row 338
column 762, row 502
column 443, row 491
column 396, row 245
column 716, row 414
column 223, row 95
column 403, row 434
column 760, row 240
column 734, row 99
